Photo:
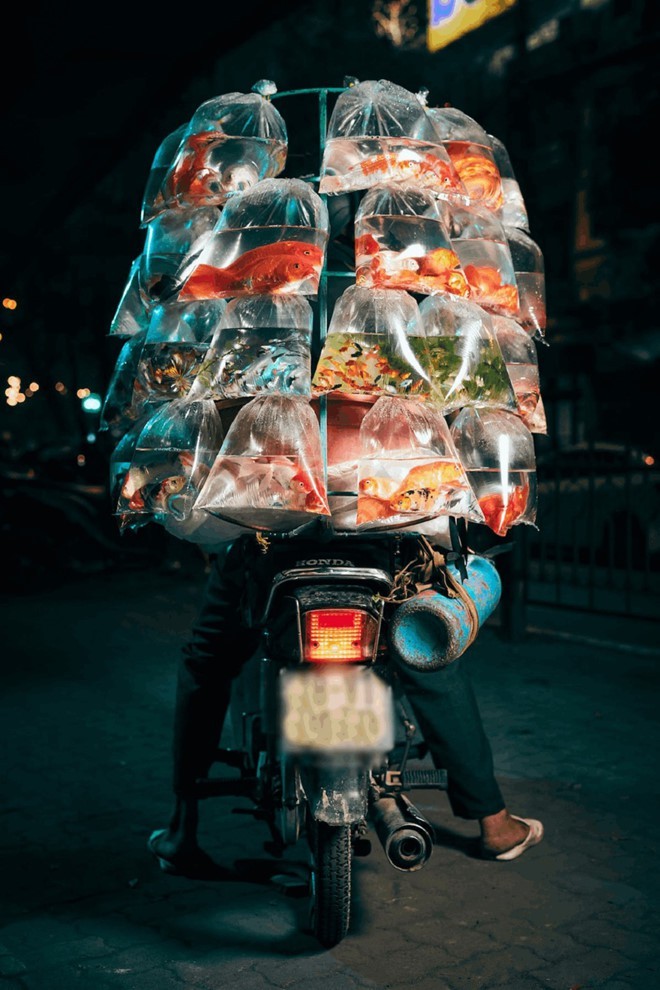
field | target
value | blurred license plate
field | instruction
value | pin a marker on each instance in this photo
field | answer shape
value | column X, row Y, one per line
column 346, row 710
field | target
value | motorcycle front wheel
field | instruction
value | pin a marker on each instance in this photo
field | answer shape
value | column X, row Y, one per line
column 330, row 882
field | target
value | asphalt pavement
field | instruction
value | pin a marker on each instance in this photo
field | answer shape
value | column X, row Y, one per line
column 85, row 711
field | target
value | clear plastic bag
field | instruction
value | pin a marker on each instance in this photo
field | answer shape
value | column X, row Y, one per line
column 481, row 244
column 471, row 154
column 270, row 239
column 269, row 472
column 121, row 458
column 497, row 452
column 175, row 349
column 409, row 469
column 461, row 355
column 133, row 313
column 403, row 241
column 370, row 345
column 262, row 345
column 122, row 404
column 231, row 143
column 513, row 212
column 153, row 200
column 171, row 461
column 519, row 353
column 380, row 132
column 173, row 239
column 529, row 269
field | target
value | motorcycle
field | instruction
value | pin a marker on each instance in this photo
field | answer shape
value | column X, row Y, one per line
column 321, row 732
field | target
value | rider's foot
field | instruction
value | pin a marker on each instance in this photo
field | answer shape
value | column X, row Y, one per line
column 505, row 836
column 175, row 848
column 177, row 857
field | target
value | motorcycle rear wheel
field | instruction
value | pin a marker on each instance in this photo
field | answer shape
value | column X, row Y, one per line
column 330, row 882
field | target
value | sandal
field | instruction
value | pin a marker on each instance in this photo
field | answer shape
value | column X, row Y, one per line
column 533, row 837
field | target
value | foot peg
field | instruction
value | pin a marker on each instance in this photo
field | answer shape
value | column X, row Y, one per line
column 411, row 780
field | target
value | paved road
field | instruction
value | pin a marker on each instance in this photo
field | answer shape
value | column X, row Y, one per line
column 85, row 708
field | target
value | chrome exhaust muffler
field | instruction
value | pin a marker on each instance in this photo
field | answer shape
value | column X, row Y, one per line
column 404, row 833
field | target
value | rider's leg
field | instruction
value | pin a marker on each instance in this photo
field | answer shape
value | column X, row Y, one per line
column 446, row 709
column 214, row 654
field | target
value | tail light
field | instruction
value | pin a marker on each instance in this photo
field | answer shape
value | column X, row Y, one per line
column 338, row 635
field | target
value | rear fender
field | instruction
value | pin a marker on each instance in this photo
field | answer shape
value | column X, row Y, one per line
column 336, row 795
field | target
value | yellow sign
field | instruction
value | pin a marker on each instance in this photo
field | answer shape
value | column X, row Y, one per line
column 450, row 19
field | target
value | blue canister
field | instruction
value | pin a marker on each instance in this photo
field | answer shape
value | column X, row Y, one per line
column 431, row 629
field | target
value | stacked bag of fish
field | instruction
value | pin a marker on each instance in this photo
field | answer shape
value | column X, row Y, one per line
column 240, row 403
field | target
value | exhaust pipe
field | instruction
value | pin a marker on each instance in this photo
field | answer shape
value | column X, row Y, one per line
column 404, row 833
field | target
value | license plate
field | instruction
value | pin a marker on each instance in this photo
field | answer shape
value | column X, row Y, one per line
column 347, row 710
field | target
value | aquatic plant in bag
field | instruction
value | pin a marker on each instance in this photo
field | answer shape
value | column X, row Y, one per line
column 471, row 154
column 461, row 355
column 481, row 244
column 519, row 353
column 381, row 133
column 270, row 239
column 402, row 241
column 269, row 473
column 232, row 142
column 409, row 468
column 171, row 460
column 497, row 452
column 370, row 345
column 262, row 345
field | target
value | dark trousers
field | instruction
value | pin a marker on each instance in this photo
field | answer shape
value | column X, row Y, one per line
column 442, row 702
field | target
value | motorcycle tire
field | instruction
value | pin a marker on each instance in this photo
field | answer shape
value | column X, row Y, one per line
column 330, row 882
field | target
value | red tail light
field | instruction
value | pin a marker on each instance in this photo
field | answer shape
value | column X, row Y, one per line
column 338, row 635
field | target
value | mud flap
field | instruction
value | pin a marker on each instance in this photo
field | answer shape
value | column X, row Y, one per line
column 336, row 795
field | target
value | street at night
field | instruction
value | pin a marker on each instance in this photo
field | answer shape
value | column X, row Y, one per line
column 86, row 707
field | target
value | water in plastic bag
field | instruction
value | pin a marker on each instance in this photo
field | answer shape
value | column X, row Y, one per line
column 519, row 353
column 402, row 241
column 122, row 404
column 497, row 452
column 462, row 356
column 481, row 244
column 232, row 142
column 261, row 346
column 529, row 268
column 173, row 239
column 270, row 239
column 471, row 154
column 512, row 212
column 381, row 133
column 409, row 468
column 133, row 313
column 153, row 200
column 370, row 345
column 171, row 461
column 269, row 473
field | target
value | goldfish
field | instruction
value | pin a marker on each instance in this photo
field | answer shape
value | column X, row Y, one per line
column 426, row 171
column 169, row 487
column 418, row 491
column 191, row 179
column 303, row 484
column 500, row 515
column 478, row 173
column 489, row 290
column 271, row 268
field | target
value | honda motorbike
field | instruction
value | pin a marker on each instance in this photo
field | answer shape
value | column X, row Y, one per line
column 321, row 732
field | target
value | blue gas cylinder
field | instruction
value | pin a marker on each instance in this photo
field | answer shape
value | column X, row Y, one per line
column 430, row 630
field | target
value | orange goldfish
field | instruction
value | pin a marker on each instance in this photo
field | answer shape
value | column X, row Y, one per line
column 427, row 170
column 190, row 178
column 302, row 483
column 478, row 173
column 489, row 290
column 500, row 515
column 271, row 268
